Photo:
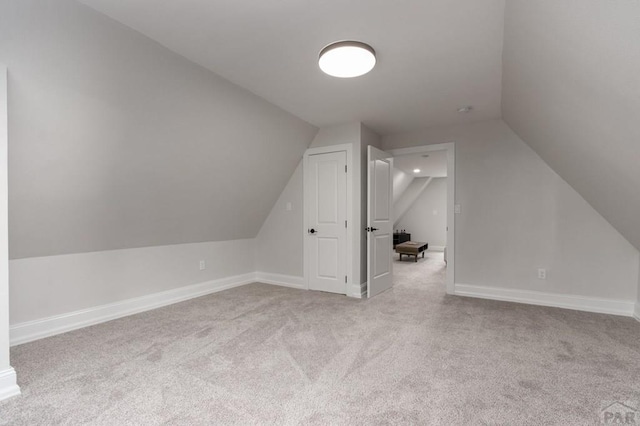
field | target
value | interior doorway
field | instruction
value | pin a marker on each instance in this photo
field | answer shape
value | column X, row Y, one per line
column 424, row 206
column 326, row 213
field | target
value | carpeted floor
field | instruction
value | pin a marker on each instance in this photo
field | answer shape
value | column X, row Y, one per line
column 262, row 354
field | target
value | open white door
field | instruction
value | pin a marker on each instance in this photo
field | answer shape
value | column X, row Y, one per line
column 379, row 221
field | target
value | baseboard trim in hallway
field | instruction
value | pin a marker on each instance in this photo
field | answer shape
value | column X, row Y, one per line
column 8, row 384
column 280, row 279
column 636, row 313
column 578, row 303
column 38, row 329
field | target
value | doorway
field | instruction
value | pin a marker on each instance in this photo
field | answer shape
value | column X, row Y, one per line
column 326, row 212
column 424, row 206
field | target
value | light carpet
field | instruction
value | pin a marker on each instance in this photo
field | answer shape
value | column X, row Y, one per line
column 261, row 354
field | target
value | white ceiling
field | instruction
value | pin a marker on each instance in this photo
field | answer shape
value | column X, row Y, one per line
column 433, row 55
column 435, row 165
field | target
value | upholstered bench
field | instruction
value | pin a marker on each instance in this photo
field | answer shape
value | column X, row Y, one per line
column 411, row 248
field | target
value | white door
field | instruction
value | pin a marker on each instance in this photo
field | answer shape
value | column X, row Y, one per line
column 379, row 222
column 326, row 212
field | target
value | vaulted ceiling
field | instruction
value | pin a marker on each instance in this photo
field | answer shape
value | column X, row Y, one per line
column 433, row 56
column 571, row 90
column 567, row 80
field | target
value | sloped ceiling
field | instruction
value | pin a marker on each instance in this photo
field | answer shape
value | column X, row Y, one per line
column 433, row 56
column 571, row 90
column 116, row 142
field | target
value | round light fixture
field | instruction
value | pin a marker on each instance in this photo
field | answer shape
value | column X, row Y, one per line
column 416, row 170
column 346, row 59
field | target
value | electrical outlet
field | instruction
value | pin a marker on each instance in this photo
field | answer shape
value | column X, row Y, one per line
column 457, row 209
column 542, row 274
column 203, row 265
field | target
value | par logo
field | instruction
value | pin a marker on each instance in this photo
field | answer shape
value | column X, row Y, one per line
column 620, row 413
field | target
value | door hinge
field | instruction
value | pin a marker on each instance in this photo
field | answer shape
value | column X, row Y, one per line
column 345, row 223
column 345, row 168
column 345, row 279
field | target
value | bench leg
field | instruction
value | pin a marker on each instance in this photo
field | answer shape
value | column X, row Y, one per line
column 416, row 255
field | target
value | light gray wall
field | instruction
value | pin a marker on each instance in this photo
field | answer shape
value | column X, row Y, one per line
column 401, row 182
column 4, row 234
column 410, row 195
column 571, row 91
column 46, row 286
column 518, row 215
column 637, row 313
column 426, row 220
column 116, row 142
column 279, row 244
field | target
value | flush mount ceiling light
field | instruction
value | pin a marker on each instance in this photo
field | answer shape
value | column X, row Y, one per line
column 465, row 109
column 416, row 170
column 346, row 59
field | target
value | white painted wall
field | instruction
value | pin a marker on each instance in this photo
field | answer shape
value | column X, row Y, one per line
column 426, row 220
column 637, row 310
column 408, row 198
column 571, row 91
column 117, row 142
column 401, row 182
column 279, row 244
column 8, row 386
column 42, row 287
column 518, row 215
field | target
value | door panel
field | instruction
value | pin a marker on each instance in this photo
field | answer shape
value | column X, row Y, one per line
column 382, row 255
column 326, row 212
column 379, row 221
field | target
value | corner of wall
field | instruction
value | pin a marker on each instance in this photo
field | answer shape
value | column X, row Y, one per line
column 636, row 313
column 8, row 384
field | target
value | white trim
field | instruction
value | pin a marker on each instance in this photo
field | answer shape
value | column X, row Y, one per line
column 33, row 330
column 566, row 301
column 358, row 291
column 351, row 268
column 8, row 384
column 281, row 280
column 436, row 248
column 636, row 312
column 450, row 147
column 8, row 387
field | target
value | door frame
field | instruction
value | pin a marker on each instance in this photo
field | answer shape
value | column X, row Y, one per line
column 450, row 147
column 347, row 147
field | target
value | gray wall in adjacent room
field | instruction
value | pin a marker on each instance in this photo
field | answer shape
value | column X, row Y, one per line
column 426, row 219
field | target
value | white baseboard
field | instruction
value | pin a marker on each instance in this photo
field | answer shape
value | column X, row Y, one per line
column 579, row 303
column 636, row 313
column 436, row 248
column 357, row 291
column 33, row 330
column 281, row 280
column 8, row 384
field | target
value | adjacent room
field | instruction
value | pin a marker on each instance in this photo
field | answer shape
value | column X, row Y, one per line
column 420, row 202
column 260, row 212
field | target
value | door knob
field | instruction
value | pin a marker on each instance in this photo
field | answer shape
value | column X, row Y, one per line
column 371, row 229
column 312, row 231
